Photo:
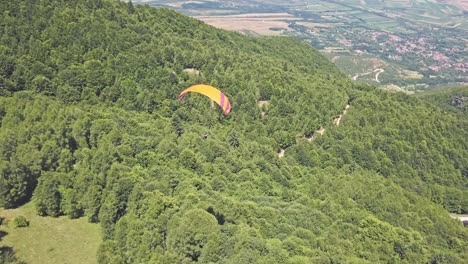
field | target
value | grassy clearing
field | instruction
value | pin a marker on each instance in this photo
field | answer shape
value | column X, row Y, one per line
column 50, row 240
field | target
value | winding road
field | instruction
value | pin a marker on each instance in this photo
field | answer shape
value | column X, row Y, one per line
column 377, row 71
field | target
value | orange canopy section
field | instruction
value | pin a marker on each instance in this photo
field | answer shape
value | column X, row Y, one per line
column 213, row 93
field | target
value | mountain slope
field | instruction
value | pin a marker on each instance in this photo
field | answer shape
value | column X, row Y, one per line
column 90, row 126
column 451, row 99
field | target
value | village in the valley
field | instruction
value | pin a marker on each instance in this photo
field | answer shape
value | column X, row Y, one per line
column 412, row 45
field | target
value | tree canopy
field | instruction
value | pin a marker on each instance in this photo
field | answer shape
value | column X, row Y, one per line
column 91, row 126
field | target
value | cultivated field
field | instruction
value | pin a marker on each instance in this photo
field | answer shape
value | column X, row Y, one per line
column 260, row 23
column 407, row 74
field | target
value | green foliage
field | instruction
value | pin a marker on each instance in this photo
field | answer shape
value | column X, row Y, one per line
column 193, row 233
column 7, row 256
column 416, row 145
column 15, row 186
column 20, row 221
column 90, row 125
column 453, row 99
column 47, row 196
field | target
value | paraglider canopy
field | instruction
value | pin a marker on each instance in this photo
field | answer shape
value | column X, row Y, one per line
column 213, row 93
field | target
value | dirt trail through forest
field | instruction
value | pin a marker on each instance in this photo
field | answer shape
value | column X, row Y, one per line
column 320, row 131
column 460, row 217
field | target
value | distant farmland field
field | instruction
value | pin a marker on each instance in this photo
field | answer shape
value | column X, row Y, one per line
column 261, row 23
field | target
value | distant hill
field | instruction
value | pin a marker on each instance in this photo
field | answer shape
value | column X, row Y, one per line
column 450, row 99
column 91, row 126
column 413, row 44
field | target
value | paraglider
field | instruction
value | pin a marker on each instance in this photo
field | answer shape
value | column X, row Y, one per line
column 213, row 93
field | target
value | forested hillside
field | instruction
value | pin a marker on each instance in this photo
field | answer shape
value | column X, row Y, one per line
column 91, row 126
column 453, row 99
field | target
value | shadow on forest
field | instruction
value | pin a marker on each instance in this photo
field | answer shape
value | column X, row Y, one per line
column 7, row 255
column 2, row 234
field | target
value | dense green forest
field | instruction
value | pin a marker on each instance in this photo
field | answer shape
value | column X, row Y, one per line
column 454, row 99
column 91, row 126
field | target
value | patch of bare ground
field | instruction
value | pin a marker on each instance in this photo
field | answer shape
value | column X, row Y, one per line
column 338, row 119
column 317, row 132
column 263, row 104
column 460, row 217
column 192, row 71
column 281, row 153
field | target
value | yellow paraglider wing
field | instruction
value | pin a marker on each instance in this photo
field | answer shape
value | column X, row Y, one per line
column 213, row 93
